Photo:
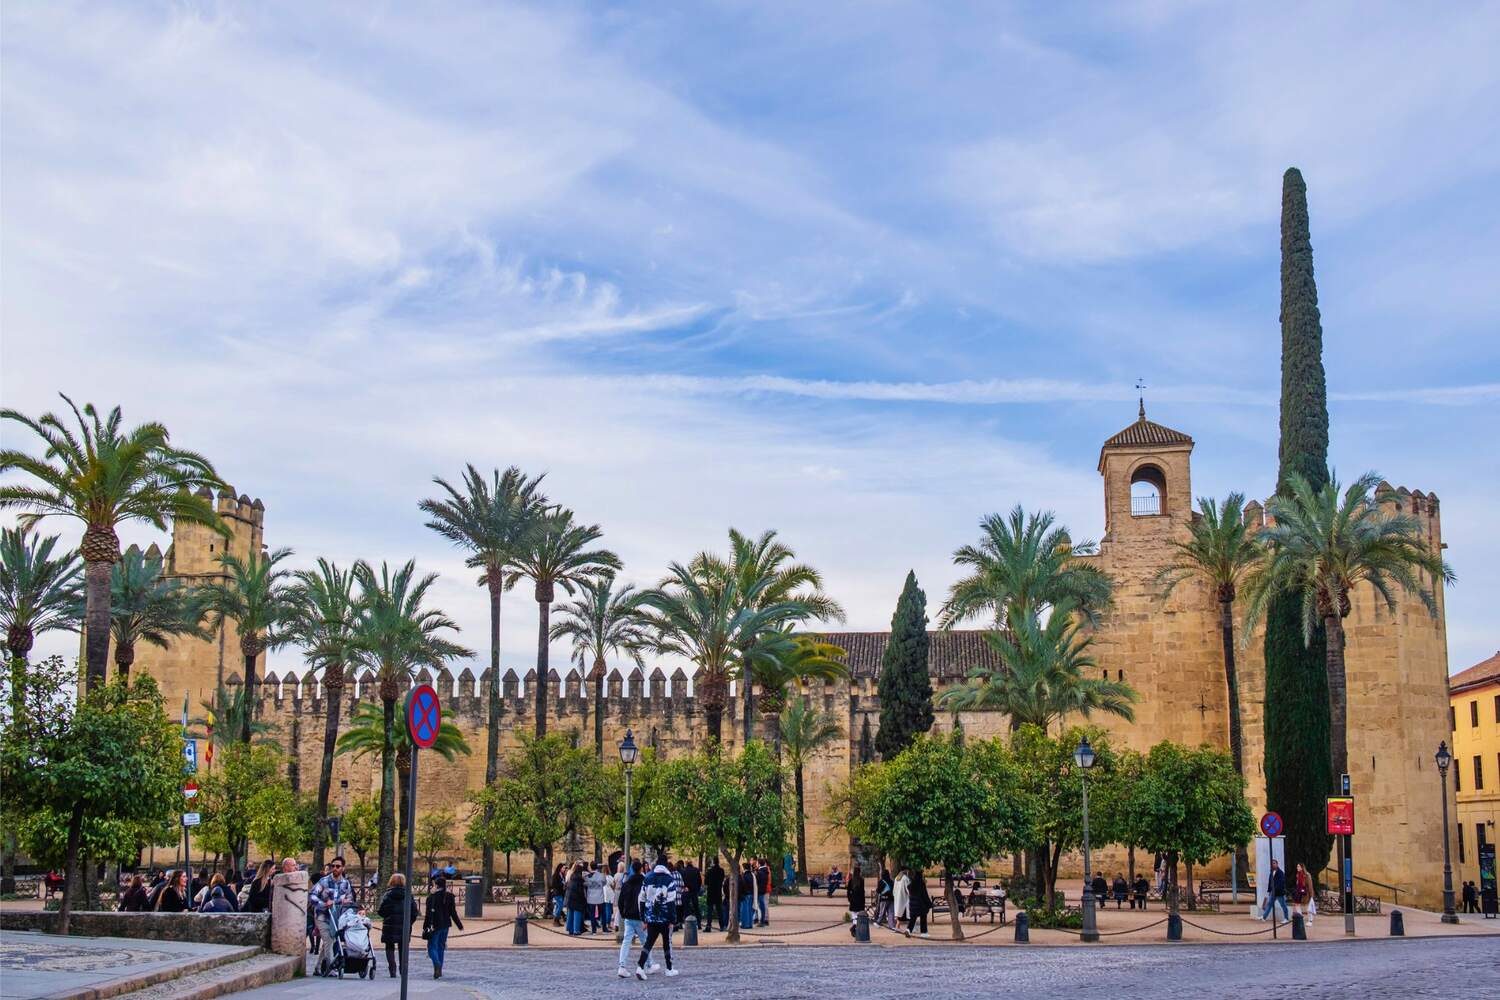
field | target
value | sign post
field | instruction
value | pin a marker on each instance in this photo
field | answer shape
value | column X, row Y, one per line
column 189, row 768
column 1341, row 825
column 423, row 720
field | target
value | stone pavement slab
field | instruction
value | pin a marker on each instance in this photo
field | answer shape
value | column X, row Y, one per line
column 46, row 965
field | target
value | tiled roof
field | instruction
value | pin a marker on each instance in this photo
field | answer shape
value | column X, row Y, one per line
column 1486, row 671
column 1146, row 433
column 950, row 655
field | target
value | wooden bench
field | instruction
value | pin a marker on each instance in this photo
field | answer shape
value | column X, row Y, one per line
column 534, row 906
column 52, row 885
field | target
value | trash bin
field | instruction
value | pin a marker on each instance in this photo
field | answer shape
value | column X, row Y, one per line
column 473, row 896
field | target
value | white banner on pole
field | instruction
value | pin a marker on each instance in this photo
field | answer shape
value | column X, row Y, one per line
column 1267, row 848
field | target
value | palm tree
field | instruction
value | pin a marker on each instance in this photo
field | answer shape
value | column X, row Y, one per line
column 225, row 717
column 257, row 597
column 1025, row 565
column 556, row 553
column 599, row 621
column 105, row 477
column 490, row 520
column 146, row 606
column 1319, row 547
column 782, row 660
column 700, row 613
column 324, row 614
column 366, row 735
column 760, row 566
column 396, row 637
column 1220, row 551
column 37, row 594
column 804, row 731
column 1041, row 678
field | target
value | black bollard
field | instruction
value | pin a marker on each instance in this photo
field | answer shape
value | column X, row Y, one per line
column 862, row 926
column 1023, row 928
column 1174, row 928
column 520, row 935
column 1299, row 928
column 1398, row 924
column 690, row 931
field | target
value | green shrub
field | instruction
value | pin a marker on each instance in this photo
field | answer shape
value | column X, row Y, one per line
column 1065, row 918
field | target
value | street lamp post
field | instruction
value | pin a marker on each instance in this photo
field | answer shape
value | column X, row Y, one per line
column 1444, row 758
column 1084, row 758
column 628, row 752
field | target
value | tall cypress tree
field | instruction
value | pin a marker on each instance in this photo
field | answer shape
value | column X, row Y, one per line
column 905, row 686
column 1298, row 763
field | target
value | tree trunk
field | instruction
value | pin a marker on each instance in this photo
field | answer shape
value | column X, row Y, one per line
column 958, row 929
column 715, row 721
column 250, row 699
column 1192, row 903
column 1051, row 863
column 1130, row 866
column 96, row 619
column 387, row 863
column 801, row 824
column 1236, row 735
column 749, row 705
column 1172, row 880
column 543, row 628
column 1338, row 695
column 72, row 870
column 733, row 888
column 599, row 738
column 333, row 703
column 496, row 583
column 124, row 657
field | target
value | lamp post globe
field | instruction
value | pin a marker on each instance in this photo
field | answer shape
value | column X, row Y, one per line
column 1444, row 758
column 1084, row 758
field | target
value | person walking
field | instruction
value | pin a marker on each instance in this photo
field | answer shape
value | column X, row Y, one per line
column 332, row 890
column 593, row 887
column 442, row 913
column 1275, row 892
column 856, row 898
column 901, row 899
column 576, row 899
column 718, row 907
column 658, row 899
column 633, row 928
column 1301, row 890
column 1120, row 889
column 677, row 880
column 884, row 898
column 763, row 890
column 395, row 901
column 259, row 899
column 921, row 904
column 1471, row 898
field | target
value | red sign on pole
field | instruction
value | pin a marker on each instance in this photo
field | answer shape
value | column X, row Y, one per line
column 424, row 717
column 1341, row 815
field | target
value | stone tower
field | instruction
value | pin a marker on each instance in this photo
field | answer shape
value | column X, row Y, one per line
column 196, row 667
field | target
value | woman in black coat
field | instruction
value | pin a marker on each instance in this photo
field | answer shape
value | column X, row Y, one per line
column 442, row 913
column 576, row 899
column 856, row 897
column 391, row 904
column 135, row 900
column 921, row 903
column 259, row 899
column 173, row 895
column 556, row 890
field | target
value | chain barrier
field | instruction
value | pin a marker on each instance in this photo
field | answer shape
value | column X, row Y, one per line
column 1132, row 930
column 1263, row 930
column 810, row 930
column 483, row 930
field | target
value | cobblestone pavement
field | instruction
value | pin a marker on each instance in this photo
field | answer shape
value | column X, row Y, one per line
column 1366, row 969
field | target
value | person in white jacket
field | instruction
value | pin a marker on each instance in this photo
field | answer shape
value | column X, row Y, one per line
column 612, row 883
column 594, row 889
column 903, row 898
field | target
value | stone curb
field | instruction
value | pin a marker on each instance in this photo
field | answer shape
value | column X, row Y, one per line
column 132, row 984
column 247, row 974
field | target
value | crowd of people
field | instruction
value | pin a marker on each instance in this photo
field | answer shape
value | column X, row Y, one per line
column 226, row 891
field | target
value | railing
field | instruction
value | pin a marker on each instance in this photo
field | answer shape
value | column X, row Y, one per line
column 1395, row 891
column 1145, row 506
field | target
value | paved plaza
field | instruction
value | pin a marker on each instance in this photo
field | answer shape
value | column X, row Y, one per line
column 43, row 965
column 1446, row 967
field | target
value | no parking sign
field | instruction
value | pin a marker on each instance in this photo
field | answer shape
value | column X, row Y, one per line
column 1271, row 825
column 424, row 716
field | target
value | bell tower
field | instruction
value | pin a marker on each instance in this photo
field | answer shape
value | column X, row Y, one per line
column 1147, row 479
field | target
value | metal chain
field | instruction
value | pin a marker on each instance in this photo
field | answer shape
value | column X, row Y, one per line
column 1263, row 930
column 1132, row 930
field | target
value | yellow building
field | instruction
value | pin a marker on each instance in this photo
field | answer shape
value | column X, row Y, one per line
column 1474, row 716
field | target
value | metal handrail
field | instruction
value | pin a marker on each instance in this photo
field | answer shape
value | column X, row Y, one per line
column 1395, row 890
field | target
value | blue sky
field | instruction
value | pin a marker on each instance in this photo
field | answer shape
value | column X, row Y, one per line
column 860, row 273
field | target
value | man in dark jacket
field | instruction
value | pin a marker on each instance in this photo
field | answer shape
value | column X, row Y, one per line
column 718, row 907
column 658, row 899
column 442, row 913
column 763, row 883
column 692, row 886
column 633, row 927
column 1275, row 893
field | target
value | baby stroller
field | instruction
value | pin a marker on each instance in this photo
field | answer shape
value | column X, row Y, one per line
column 351, row 944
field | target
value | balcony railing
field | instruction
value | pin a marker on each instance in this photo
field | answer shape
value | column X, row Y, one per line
column 1148, row 506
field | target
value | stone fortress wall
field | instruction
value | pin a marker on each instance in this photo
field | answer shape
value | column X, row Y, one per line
column 1170, row 652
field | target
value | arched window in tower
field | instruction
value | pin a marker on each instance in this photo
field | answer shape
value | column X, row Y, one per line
column 1148, row 491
